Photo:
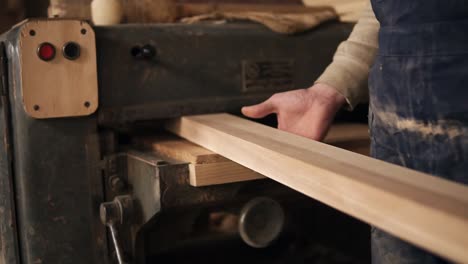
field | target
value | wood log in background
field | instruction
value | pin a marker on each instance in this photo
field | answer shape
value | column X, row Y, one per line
column 244, row 1
column 148, row 11
column 70, row 9
column 167, row 11
column 187, row 10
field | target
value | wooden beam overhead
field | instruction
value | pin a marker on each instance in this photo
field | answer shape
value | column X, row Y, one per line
column 425, row 210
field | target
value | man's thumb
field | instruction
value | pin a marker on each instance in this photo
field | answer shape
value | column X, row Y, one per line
column 259, row 110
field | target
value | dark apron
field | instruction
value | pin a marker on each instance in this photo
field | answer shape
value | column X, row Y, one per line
column 419, row 99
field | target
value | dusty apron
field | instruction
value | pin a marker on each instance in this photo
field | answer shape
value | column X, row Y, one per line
column 419, row 99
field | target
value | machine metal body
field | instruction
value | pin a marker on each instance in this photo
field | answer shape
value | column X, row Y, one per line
column 55, row 173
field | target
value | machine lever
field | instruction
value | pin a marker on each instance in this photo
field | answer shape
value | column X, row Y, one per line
column 115, row 213
column 115, row 239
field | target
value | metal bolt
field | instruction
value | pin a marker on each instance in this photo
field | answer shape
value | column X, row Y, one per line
column 116, row 183
column 117, row 211
column 148, row 51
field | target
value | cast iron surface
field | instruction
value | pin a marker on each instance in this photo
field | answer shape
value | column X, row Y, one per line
column 57, row 181
column 202, row 68
column 183, row 230
column 54, row 169
column 8, row 231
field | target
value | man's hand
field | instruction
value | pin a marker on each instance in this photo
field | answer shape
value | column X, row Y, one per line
column 305, row 112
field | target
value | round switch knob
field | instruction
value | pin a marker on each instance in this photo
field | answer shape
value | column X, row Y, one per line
column 46, row 51
column 71, row 51
column 147, row 52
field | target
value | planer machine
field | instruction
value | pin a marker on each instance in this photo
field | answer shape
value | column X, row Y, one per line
column 77, row 185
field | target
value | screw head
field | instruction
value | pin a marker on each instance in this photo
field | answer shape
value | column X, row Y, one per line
column 117, row 184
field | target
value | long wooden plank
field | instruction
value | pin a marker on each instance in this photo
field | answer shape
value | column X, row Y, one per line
column 349, row 136
column 419, row 208
column 209, row 168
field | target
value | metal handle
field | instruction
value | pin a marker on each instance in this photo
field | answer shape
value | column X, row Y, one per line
column 114, row 213
column 115, row 239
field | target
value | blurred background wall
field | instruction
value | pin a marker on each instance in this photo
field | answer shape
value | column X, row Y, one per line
column 13, row 11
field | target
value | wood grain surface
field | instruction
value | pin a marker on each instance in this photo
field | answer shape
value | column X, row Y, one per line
column 60, row 87
column 425, row 210
column 210, row 168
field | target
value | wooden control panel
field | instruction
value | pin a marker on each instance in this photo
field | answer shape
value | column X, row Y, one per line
column 58, row 68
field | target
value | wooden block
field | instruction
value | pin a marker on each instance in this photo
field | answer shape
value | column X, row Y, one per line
column 206, row 174
column 207, row 167
column 425, row 210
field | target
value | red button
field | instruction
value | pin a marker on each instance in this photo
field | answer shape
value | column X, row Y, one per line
column 46, row 51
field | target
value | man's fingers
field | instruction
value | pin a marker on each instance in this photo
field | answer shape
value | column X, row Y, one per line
column 259, row 110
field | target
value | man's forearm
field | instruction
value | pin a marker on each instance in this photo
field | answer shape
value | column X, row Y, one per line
column 349, row 70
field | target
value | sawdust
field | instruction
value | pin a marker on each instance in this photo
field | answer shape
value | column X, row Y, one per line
column 450, row 128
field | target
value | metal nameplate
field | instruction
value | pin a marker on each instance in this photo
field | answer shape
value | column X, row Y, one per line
column 267, row 75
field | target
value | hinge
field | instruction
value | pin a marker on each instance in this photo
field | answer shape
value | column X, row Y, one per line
column 3, row 70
